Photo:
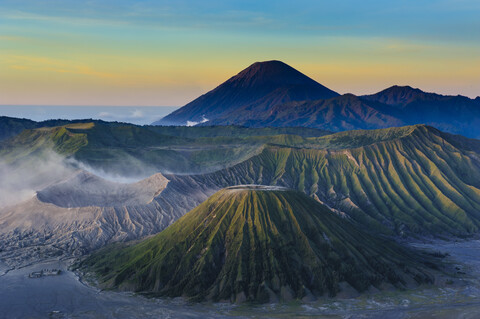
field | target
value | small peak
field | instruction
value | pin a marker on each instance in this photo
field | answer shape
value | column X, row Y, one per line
column 349, row 95
column 396, row 95
column 399, row 88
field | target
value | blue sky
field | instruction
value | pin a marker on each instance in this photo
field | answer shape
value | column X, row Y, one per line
column 169, row 52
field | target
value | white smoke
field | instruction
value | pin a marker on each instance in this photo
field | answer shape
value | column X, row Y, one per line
column 109, row 176
column 193, row 123
column 20, row 181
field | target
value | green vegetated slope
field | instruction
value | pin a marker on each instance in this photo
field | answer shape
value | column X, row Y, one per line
column 234, row 131
column 179, row 149
column 11, row 126
column 414, row 180
column 407, row 180
column 42, row 141
column 131, row 149
column 250, row 244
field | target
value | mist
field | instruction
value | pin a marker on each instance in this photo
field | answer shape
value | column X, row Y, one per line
column 132, row 172
column 20, row 181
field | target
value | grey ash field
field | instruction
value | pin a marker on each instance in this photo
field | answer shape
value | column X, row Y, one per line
column 342, row 206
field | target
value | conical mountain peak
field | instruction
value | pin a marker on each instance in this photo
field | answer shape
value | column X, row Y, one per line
column 257, row 88
column 270, row 73
column 255, row 243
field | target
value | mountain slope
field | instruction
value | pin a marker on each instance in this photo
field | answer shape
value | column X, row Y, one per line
column 258, row 87
column 395, row 106
column 248, row 100
column 132, row 151
column 399, row 181
column 411, row 180
column 85, row 212
column 340, row 113
column 454, row 114
column 407, row 181
column 11, row 126
column 253, row 243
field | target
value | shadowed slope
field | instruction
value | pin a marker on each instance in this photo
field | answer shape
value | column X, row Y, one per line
column 257, row 244
column 394, row 106
column 340, row 113
column 451, row 113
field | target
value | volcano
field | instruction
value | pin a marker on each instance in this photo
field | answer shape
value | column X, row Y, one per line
column 261, row 244
column 259, row 87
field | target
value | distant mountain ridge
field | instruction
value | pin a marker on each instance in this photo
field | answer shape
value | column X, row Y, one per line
column 397, row 95
column 345, row 112
column 258, row 87
column 392, row 107
column 11, row 126
column 272, row 94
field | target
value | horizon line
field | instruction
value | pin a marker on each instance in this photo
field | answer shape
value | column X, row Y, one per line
column 88, row 105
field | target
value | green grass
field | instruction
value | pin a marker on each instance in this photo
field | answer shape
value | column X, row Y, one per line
column 414, row 181
column 256, row 244
column 408, row 180
column 118, row 147
column 42, row 141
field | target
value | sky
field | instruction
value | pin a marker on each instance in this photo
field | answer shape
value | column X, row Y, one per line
column 166, row 53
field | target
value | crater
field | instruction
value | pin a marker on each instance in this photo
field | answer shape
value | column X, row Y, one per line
column 257, row 187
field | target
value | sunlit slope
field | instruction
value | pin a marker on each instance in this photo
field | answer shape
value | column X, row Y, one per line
column 246, row 244
column 40, row 141
column 413, row 180
column 129, row 149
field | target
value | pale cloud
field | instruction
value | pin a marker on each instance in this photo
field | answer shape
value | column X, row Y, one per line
column 137, row 114
column 105, row 115
column 132, row 115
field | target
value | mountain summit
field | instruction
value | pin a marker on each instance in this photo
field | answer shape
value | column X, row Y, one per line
column 259, row 87
column 397, row 95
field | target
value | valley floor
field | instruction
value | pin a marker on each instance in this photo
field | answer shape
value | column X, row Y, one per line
column 64, row 296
